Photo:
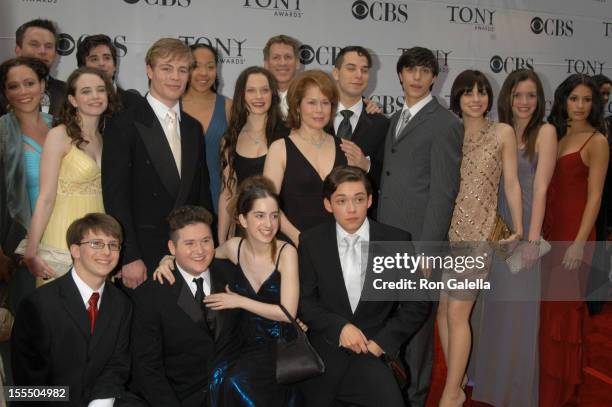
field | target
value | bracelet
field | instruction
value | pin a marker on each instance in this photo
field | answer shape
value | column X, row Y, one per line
column 535, row 242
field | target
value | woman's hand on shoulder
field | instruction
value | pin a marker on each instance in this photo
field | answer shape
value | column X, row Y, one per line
column 164, row 270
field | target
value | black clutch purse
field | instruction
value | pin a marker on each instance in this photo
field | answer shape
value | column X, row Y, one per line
column 296, row 359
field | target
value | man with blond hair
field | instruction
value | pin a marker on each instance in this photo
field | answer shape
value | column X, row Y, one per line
column 154, row 161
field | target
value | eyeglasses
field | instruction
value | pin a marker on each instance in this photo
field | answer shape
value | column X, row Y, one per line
column 356, row 200
column 100, row 245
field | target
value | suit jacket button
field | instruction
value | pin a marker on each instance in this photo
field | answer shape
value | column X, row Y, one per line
column 393, row 150
column 388, row 173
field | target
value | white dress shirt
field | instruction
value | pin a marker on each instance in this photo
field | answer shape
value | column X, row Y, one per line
column 364, row 238
column 357, row 108
column 161, row 112
column 416, row 108
column 284, row 105
column 191, row 284
column 86, row 293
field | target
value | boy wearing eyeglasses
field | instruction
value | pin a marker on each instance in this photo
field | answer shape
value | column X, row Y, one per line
column 74, row 331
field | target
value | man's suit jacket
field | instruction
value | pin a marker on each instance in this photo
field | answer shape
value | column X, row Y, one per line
column 420, row 173
column 55, row 89
column 324, row 302
column 140, row 181
column 173, row 349
column 369, row 134
column 129, row 98
column 52, row 344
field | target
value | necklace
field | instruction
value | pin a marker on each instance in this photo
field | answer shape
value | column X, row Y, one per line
column 317, row 144
column 256, row 140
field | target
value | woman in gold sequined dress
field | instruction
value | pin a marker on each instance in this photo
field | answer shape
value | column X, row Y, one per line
column 489, row 150
column 70, row 178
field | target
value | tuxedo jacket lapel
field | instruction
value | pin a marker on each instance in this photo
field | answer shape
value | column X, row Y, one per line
column 422, row 116
column 107, row 311
column 73, row 303
column 189, row 160
column 364, row 122
column 186, row 301
column 330, row 244
column 153, row 136
column 375, row 236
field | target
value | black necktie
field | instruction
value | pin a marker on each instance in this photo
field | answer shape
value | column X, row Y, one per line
column 345, row 130
column 199, row 297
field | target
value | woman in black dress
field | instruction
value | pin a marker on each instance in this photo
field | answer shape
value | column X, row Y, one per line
column 255, row 122
column 298, row 164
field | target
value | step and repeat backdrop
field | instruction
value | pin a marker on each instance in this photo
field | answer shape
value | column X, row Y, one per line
column 554, row 37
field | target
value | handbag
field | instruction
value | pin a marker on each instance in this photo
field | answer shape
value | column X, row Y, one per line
column 515, row 261
column 59, row 260
column 500, row 230
column 296, row 359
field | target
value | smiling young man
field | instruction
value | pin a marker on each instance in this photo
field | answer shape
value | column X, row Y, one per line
column 176, row 340
column 420, row 181
column 153, row 161
column 351, row 335
column 74, row 331
column 281, row 58
column 363, row 133
column 98, row 51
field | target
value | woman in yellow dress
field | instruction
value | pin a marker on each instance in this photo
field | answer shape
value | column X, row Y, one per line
column 70, row 177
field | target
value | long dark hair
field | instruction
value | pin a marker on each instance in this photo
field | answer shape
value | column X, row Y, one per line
column 558, row 116
column 250, row 190
column 68, row 115
column 504, row 107
column 238, row 118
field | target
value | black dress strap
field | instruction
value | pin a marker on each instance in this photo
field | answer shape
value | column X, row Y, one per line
column 279, row 254
column 238, row 253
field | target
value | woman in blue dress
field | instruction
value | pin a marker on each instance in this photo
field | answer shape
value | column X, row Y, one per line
column 210, row 108
column 22, row 134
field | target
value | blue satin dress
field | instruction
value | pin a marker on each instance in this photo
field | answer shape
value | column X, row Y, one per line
column 31, row 159
column 251, row 379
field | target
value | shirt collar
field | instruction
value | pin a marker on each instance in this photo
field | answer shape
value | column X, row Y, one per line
column 363, row 232
column 189, row 277
column 86, row 290
column 416, row 108
column 161, row 110
column 357, row 108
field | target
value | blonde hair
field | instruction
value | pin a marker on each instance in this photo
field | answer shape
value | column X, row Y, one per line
column 168, row 47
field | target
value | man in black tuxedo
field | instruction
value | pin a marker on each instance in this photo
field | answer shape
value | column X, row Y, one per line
column 154, row 161
column 350, row 334
column 98, row 51
column 176, row 340
column 74, row 331
column 38, row 39
column 363, row 133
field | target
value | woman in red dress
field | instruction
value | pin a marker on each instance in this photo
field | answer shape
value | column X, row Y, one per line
column 573, row 201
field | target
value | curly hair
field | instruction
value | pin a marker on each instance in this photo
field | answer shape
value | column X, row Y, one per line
column 558, row 116
column 68, row 114
column 238, row 118
column 36, row 65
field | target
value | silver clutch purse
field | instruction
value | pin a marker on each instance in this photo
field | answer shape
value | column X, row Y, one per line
column 515, row 261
